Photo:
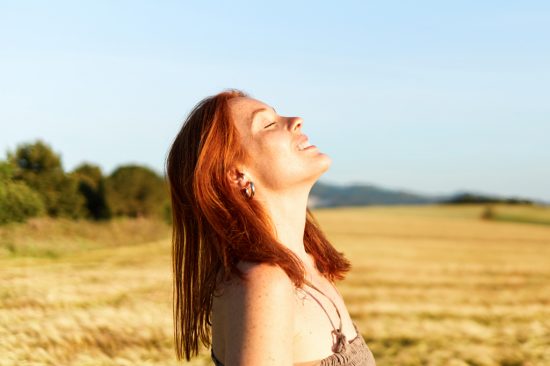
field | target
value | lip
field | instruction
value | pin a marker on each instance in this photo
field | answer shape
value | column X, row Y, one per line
column 309, row 147
column 301, row 139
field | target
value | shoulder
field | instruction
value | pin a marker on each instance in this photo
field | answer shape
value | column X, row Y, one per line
column 264, row 273
column 265, row 284
column 260, row 326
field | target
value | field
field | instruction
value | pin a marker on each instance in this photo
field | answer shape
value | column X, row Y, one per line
column 430, row 285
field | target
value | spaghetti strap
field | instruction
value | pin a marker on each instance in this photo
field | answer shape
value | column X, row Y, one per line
column 340, row 342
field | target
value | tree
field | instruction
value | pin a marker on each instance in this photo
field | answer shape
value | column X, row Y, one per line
column 91, row 184
column 136, row 191
column 17, row 200
column 38, row 166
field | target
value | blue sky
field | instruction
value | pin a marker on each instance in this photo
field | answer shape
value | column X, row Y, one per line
column 428, row 96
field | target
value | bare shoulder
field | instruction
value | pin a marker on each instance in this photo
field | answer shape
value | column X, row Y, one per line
column 261, row 323
column 265, row 272
column 265, row 284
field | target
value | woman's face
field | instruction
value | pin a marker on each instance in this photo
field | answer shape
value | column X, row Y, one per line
column 276, row 145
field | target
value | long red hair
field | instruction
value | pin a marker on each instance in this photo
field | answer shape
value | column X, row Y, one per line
column 215, row 226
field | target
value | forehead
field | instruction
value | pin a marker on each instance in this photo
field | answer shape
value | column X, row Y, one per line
column 243, row 106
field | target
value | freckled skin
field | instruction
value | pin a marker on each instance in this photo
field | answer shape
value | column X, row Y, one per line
column 277, row 164
column 266, row 302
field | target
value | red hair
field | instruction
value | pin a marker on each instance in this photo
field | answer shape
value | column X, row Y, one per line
column 215, row 226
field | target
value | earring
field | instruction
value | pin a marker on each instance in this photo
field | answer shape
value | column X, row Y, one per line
column 249, row 190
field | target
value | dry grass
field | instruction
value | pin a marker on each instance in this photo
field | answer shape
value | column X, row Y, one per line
column 429, row 286
column 54, row 238
column 437, row 286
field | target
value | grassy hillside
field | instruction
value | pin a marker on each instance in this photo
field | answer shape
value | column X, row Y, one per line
column 429, row 285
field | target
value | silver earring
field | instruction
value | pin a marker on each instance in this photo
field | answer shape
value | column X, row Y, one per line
column 249, row 190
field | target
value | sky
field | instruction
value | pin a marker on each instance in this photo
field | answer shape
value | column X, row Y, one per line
column 432, row 97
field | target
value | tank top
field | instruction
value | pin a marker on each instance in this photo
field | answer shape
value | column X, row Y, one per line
column 346, row 353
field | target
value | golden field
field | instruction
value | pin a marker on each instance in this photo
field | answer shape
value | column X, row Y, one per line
column 430, row 285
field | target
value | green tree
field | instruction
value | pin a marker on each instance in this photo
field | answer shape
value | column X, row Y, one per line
column 136, row 191
column 38, row 166
column 17, row 200
column 91, row 184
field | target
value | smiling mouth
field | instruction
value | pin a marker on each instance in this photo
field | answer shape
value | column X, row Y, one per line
column 304, row 145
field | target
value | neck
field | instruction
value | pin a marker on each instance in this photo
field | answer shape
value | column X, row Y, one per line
column 287, row 210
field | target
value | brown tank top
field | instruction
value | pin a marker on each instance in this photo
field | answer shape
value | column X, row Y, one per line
column 346, row 353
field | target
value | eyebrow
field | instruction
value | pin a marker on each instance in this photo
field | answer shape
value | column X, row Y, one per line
column 259, row 110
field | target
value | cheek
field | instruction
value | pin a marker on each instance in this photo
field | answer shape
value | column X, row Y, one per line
column 273, row 156
column 273, row 145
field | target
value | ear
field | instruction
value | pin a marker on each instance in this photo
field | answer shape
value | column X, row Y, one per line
column 237, row 177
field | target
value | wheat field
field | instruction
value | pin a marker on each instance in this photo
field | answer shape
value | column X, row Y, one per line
column 429, row 285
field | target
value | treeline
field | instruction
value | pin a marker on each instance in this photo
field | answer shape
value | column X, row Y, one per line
column 33, row 183
column 470, row 198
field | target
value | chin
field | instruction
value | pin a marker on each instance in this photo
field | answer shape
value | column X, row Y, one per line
column 327, row 162
column 323, row 166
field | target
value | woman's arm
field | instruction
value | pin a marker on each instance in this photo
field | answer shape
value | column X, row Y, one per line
column 260, row 321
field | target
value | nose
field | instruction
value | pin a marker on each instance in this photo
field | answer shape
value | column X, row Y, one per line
column 296, row 123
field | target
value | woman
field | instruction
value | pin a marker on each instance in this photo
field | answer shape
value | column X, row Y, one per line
column 253, row 273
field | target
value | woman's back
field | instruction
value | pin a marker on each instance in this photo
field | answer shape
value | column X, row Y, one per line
column 260, row 310
column 302, row 321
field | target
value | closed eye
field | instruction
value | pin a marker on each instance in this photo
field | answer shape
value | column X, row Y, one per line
column 270, row 124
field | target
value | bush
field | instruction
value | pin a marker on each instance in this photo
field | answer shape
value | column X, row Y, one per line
column 136, row 191
column 488, row 213
column 17, row 200
column 91, row 185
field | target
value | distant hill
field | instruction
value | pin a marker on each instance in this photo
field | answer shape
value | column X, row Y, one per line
column 332, row 195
